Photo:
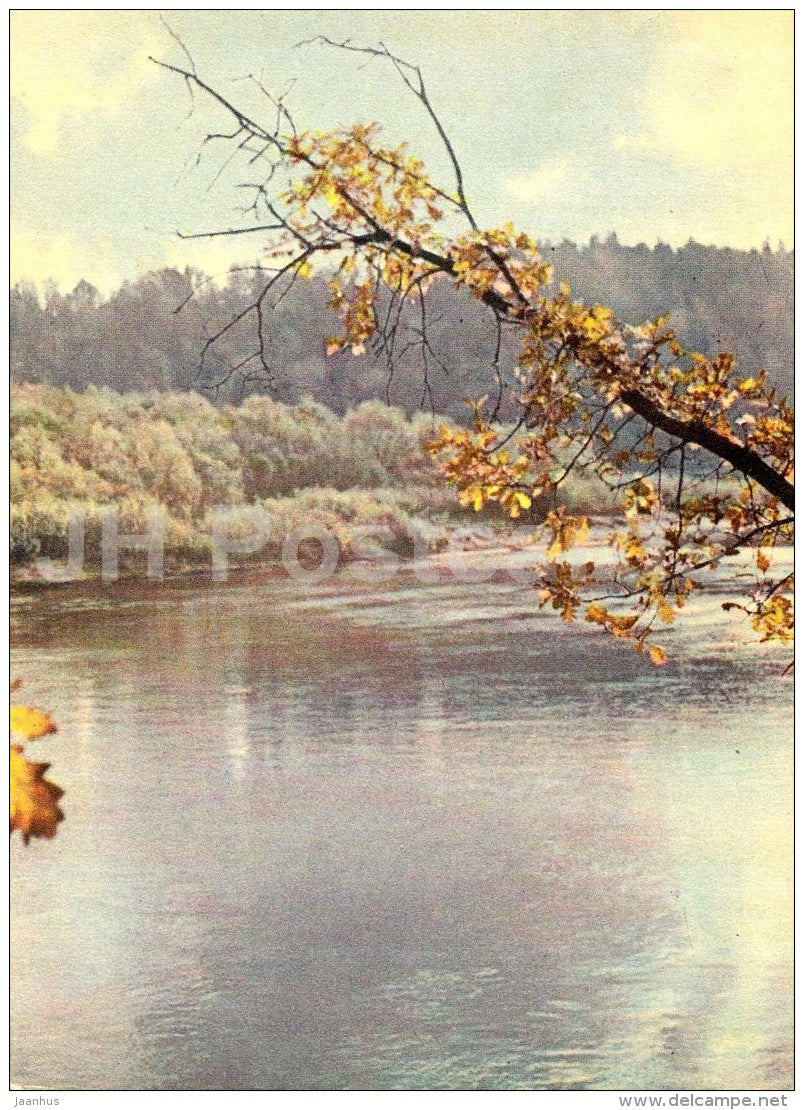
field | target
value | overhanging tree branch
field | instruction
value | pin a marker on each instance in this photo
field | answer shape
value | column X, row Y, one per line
column 741, row 458
column 581, row 377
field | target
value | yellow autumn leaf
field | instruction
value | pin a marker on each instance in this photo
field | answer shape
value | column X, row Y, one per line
column 762, row 560
column 34, row 809
column 621, row 626
column 657, row 655
column 31, row 723
column 665, row 610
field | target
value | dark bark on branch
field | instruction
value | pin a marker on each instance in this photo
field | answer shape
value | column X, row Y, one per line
column 741, row 458
column 440, row 262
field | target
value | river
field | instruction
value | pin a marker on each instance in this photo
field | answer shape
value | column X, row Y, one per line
column 399, row 835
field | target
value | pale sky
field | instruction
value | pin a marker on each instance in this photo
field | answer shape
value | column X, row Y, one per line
column 655, row 124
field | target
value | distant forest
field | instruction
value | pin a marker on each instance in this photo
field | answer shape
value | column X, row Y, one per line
column 148, row 334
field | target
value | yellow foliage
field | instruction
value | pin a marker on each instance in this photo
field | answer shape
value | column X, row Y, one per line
column 774, row 619
column 566, row 531
column 30, row 723
column 619, row 626
column 657, row 655
column 34, row 809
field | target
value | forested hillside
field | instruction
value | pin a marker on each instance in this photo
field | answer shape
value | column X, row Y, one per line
column 149, row 333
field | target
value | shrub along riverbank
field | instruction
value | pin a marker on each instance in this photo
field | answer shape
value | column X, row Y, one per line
column 302, row 464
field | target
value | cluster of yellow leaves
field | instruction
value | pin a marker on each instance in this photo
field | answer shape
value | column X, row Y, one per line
column 622, row 627
column 565, row 531
column 773, row 432
column 34, row 808
column 499, row 259
column 482, row 475
column 357, row 312
column 639, row 498
column 618, row 626
column 560, row 587
column 773, row 619
column 377, row 206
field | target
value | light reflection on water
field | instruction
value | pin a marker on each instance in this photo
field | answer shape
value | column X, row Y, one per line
column 403, row 837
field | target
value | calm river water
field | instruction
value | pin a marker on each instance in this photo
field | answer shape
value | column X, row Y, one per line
column 398, row 836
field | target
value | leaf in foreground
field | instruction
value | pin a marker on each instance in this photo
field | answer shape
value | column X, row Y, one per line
column 31, row 723
column 34, row 800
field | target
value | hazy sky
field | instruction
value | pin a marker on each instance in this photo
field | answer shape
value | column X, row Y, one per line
column 657, row 125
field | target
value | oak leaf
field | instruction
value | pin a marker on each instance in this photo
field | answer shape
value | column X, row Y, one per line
column 657, row 655
column 31, row 723
column 34, row 809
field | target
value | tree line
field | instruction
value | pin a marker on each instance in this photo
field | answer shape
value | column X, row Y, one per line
column 149, row 332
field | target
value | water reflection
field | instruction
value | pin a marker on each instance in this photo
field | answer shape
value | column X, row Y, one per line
column 398, row 839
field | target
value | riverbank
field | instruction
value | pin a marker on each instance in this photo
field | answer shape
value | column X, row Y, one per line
column 340, row 547
column 249, row 478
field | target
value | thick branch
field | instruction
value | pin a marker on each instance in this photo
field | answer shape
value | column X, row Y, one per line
column 693, row 431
